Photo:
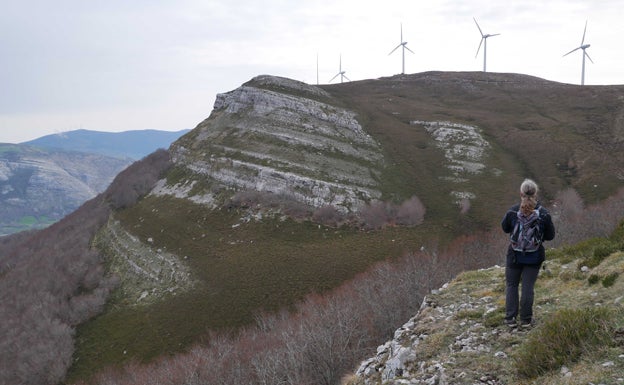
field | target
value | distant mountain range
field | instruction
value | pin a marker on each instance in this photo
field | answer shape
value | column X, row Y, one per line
column 132, row 144
column 45, row 179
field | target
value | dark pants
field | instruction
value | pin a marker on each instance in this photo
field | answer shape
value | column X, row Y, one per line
column 514, row 273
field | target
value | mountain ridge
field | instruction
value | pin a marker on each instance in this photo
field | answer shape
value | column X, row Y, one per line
column 288, row 189
column 133, row 144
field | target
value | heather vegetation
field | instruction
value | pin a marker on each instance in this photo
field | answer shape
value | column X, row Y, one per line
column 317, row 342
column 325, row 335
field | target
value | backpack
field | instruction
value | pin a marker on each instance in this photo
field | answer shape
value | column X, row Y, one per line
column 527, row 234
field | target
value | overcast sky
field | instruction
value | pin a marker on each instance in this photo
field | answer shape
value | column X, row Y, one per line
column 121, row 65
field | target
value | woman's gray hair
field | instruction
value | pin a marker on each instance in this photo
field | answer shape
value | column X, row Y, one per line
column 528, row 196
column 529, row 188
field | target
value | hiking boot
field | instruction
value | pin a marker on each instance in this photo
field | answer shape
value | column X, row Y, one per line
column 511, row 323
column 526, row 324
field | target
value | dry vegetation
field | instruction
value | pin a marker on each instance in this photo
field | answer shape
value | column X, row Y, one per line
column 53, row 280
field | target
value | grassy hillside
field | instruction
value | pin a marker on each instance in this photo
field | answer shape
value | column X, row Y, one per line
column 577, row 338
column 561, row 135
column 240, row 269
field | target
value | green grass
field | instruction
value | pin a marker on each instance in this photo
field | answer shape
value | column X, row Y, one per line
column 590, row 252
column 254, row 267
column 564, row 338
column 28, row 221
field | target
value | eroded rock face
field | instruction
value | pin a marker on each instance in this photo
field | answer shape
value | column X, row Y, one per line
column 281, row 136
column 47, row 185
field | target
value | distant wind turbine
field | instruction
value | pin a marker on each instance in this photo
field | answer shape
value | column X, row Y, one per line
column 404, row 45
column 483, row 41
column 583, row 47
column 340, row 73
column 317, row 70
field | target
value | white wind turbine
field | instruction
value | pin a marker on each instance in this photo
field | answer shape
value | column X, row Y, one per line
column 483, row 41
column 404, row 45
column 340, row 72
column 583, row 47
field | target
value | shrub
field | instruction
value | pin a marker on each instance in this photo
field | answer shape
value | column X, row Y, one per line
column 374, row 215
column 609, row 280
column 327, row 215
column 563, row 339
column 593, row 279
column 411, row 212
column 602, row 250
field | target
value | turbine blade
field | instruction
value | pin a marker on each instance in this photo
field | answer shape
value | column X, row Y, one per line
column 481, row 32
column 409, row 49
column 401, row 32
column 345, row 76
column 571, row 51
column 330, row 80
column 585, row 30
column 481, row 42
column 586, row 54
column 395, row 48
column 496, row 34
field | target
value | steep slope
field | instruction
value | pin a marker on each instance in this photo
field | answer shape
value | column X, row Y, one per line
column 38, row 186
column 134, row 144
column 458, row 335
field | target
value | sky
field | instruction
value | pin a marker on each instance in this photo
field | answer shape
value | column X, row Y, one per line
column 120, row 65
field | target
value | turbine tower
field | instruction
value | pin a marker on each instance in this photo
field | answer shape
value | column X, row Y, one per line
column 483, row 41
column 404, row 45
column 340, row 72
column 583, row 47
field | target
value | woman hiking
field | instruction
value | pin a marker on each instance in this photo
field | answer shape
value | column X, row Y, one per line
column 529, row 225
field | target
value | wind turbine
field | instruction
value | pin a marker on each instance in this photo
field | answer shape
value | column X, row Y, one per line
column 583, row 47
column 404, row 45
column 340, row 72
column 483, row 41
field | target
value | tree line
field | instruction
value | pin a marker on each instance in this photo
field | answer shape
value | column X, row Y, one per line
column 52, row 280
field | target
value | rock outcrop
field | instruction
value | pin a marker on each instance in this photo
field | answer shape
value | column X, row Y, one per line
column 458, row 336
column 284, row 137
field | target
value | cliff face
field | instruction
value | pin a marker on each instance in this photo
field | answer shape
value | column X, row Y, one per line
column 284, row 137
column 38, row 187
